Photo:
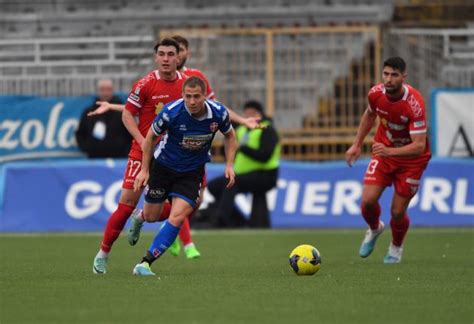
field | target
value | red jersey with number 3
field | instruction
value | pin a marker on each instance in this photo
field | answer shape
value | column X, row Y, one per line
column 197, row 73
column 399, row 120
column 148, row 96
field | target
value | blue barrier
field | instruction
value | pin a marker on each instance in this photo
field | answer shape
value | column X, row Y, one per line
column 79, row 195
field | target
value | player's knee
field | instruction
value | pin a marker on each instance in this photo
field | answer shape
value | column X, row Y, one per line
column 368, row 204
column 397, row 213
column 177, row 218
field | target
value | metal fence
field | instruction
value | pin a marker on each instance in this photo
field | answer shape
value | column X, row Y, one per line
column 435, row 57
column 313, row 80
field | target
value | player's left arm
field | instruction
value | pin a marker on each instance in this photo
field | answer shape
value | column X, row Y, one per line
column 250, row 122
column 230, row 147
column 415, row 148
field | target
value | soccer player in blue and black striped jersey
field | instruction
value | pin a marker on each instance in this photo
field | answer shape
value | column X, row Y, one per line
column 189, row 126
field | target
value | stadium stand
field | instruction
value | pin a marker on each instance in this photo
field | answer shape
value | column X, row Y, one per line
column 312, row 62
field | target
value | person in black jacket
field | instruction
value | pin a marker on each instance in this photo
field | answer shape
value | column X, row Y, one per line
column 104, row 135
column 256, row 168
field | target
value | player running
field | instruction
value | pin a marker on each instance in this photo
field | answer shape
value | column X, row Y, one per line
column 148, row 96
column 189, row 125
column 400, row 154
column 152, row 92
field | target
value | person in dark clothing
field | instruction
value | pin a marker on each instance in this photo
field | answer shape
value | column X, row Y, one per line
column 103, row 136
column 256, row 168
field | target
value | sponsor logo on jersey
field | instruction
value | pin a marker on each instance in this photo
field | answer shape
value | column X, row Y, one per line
column 182, row 127
column 134, row 97
column 196, row 142
column 214, row 127
column 158, row 108
column 394, row 126
column 419, row 123
column 160, row 96
column 415, row 106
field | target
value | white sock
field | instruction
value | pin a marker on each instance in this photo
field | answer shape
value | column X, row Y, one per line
column 190, row 245
column 138, row 215
column 102, row 254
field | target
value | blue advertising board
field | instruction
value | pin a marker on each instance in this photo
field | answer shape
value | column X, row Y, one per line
column 80, row 195
column 40, row 127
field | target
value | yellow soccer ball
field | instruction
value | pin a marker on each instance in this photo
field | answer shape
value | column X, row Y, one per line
column 305, row 260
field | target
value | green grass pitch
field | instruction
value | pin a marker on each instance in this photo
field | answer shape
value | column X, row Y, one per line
column 242, row 277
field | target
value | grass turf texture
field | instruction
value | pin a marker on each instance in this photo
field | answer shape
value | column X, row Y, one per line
column 242, row 277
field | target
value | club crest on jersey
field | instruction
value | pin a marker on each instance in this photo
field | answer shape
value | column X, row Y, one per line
column 214, row 126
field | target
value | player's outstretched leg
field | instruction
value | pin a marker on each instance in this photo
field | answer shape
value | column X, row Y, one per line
column 112, row 231
column 368, row 244
column 165, row 237
column 399, row 230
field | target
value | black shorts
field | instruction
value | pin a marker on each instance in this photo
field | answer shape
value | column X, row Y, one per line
column 165, row 183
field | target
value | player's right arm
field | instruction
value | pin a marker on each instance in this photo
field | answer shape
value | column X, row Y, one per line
column 142, row 178
column 104, row 107
column 131, row 125
column 158, row 128
column 366, row 123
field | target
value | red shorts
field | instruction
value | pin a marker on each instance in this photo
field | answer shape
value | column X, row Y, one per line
column 133, row 168
column 383, row 172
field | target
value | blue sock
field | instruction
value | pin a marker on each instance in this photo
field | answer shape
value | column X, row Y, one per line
column 162, row 241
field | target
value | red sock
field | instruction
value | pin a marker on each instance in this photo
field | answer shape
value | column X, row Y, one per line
column 399, row 229
column 371, row 215
column 165, row 212
column 185, row 232
column 115, row 225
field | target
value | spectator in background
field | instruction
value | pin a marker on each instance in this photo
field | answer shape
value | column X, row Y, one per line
column 104, row 135
column 256, row 168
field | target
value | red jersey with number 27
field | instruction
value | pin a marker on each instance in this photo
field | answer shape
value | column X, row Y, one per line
column 399, row 119
column 148, row 96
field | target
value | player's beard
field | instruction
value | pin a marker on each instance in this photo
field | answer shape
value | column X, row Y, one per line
column 181, row 65
column 394, row 89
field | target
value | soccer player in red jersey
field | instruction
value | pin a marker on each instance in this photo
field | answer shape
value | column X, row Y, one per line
column 183, row 55
column 400, row 154
column 148, row 96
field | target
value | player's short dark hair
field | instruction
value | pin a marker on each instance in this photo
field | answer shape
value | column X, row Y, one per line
column 396, row 63
column 181, row 40
column 193, row 82
column 166, row 42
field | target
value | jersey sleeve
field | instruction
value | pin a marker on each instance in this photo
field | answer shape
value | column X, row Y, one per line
column 161, row 122
column 374, row 92
column 418, row 115
column 224, row 123
column 136, row 98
